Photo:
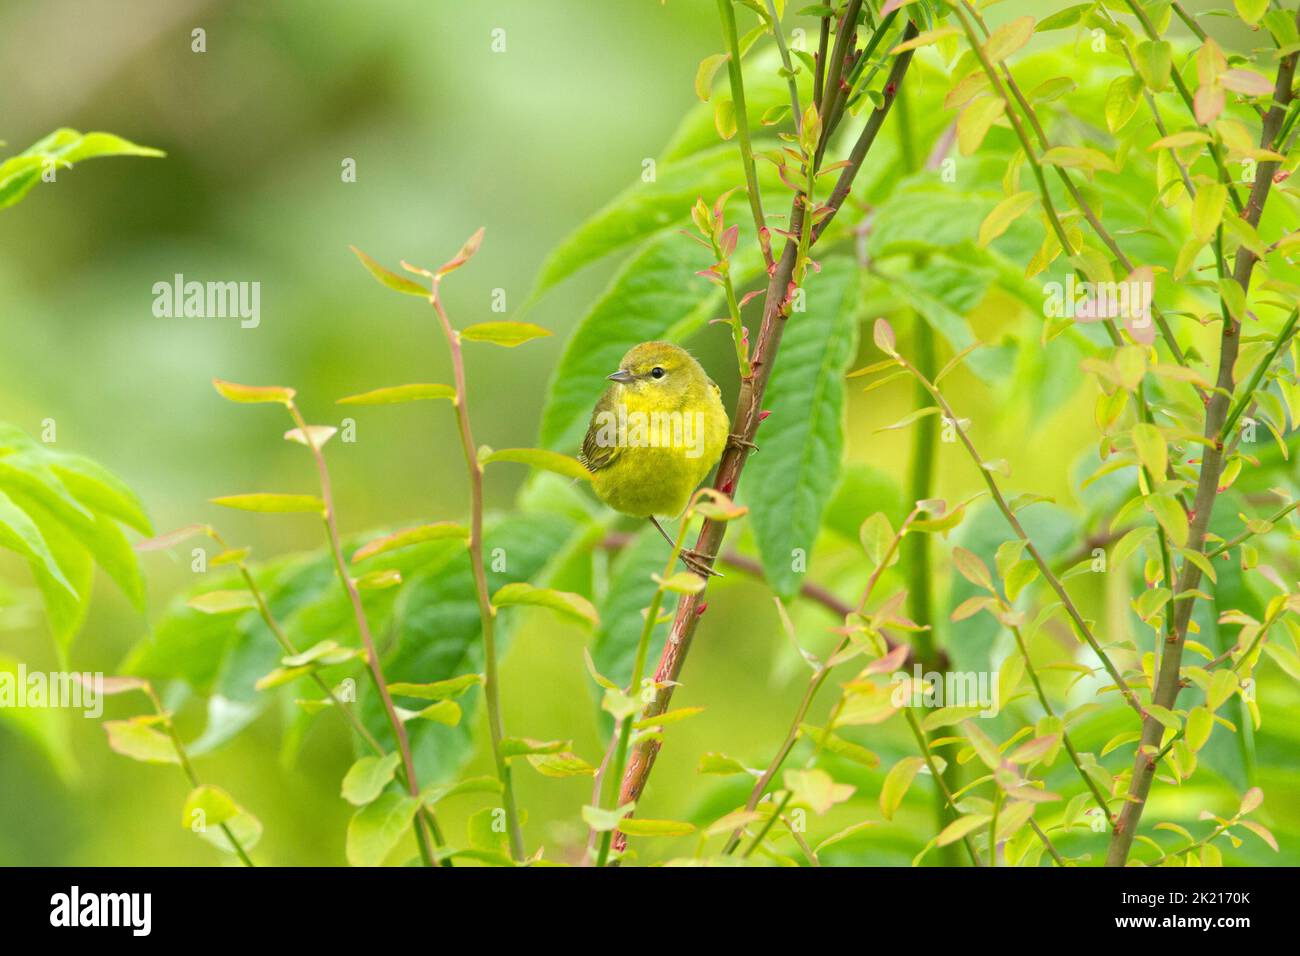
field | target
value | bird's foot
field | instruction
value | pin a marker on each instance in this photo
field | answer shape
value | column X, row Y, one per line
column 735, row 441
column 696, row 562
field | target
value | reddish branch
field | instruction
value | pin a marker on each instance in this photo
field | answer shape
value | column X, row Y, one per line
column 749, row 404
column 1169, row 679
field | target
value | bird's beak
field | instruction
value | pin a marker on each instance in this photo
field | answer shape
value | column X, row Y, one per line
column 622, row 375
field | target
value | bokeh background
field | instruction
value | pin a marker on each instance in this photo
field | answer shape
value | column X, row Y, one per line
column 447, row 136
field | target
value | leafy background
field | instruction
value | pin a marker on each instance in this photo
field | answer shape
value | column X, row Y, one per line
column 448, row 136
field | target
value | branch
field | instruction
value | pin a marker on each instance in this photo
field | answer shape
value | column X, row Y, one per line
column 1169, row 678
column 749, row 404
column 1044, row 568
column 815, row 683
column 487, row 613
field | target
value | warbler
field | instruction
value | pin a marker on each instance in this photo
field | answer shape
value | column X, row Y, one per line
column 655, row 435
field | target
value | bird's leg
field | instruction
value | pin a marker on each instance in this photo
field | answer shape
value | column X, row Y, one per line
column 691, row 558
column 735, row 441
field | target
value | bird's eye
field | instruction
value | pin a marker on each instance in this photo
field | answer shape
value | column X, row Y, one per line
column 656, row 372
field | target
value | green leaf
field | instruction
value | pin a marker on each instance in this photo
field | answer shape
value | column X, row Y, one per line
column 1222, row 686
column 437, row 690
column 975, row 120
column 1123, row 97
column 59, row 150
column 961, row 827
column 222, row 602
column 683, row 582
column 634, row 826
column 207, row 805
column 1062, row 19
column 274, row 503
column 602, row 820
column 1151, row 449
column 1154, row 60
column 561, row 765
column 407, row 537
column 210, row 811
column 1200, row 722
column 1207, row 209
column 655, row 296
column 1165, row 716
column 705, row 73
column 719, row 764
column 972, row 568
column 253, row 394
column 507, row 334
column 525, row 746
column 985, row 748
column 392, row 280
column 139, row 741
column 896, row 784
column 643, row 210
column 1009, row 38
column 376, row 828
column 552, row 461
column 366, row 779
column 803, row 440
column 1079, row 157
column 844, row 834
column 565, row 602
column 1004, row 214
column 877, row 535
column 445, row 712
column 816, row 789
column 98, row 489
column 395, row 394
column 1171, row 516
column 1252, row 11
column 18, row 532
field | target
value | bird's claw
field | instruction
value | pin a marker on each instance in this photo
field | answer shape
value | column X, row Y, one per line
column 735, row 441
column 695, row 561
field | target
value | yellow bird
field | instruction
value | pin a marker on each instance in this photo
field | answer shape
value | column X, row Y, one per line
column 655, row 435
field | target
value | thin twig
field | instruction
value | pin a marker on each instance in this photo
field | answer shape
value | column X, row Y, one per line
column 363, row 626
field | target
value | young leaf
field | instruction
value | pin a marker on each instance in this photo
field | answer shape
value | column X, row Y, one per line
column 140, row 742
column 803, row 441
column 394, row 281
column 508, row 334
column 896, row 784
column 410, row 536
column 1004, row 214
column 376, row 828
column 222, row 602
column 551, row 461
column 570, row 605
column 394, row 394
column 253, row 394
column 272, row 503
column 634, row 826
column 366, row 779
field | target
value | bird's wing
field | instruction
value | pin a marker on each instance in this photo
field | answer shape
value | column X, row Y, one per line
column 596, row 455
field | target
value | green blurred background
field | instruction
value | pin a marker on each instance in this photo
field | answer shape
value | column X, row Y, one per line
column 447, row 136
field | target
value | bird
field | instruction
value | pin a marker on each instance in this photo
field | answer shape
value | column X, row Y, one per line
column 655, row 435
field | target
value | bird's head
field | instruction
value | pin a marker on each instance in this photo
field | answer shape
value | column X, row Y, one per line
column 657, row 368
